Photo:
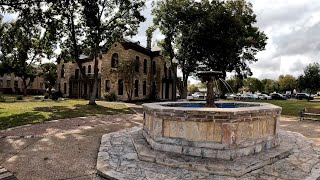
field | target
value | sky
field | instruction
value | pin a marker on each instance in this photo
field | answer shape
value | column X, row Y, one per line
column 293, row 29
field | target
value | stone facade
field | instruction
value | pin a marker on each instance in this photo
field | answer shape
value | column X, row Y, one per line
column 147, row 83
column 12, row 84
column 212, row 132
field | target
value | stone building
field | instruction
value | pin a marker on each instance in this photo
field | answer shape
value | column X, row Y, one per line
column 152, row 78
column 10, row 84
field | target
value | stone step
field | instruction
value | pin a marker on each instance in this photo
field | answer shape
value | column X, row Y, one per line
column 6, row 175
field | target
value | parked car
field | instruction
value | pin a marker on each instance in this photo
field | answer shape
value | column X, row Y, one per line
column 264, row 97
column 198, row 95
column 301, row 96
column 278, row 96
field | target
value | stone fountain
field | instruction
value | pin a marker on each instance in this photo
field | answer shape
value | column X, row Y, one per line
column 189, row 140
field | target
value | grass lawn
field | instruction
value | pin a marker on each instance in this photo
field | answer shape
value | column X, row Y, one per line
column 291, row 107
column 11, row 97
column 22, row 113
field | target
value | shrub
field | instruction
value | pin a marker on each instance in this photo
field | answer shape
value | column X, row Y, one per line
column 19, row 97
column 46, row 97
column 110, row 96
column 2, row 99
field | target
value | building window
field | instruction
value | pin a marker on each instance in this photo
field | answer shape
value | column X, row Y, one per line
column 59, row 88
column 108, row 88
column 62, row 71
column 154, row 67
column 65, row 88
column 0, row 83
column 8, row 83
column 76, row 76
column 165, row 70
column 89, row 69
column 30, row 85
column 16, row 84
column 115, row 60
column 136, row 88
column 84, row 69
column 120, row 87
column 145, row 66
column 137, row 64
column 170, row 74
column 144, row 88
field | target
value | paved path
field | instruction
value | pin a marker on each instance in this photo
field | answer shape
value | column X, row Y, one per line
column 67, row 149
column 64, row 149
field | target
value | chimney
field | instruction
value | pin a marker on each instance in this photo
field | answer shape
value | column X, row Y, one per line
column 149, row 42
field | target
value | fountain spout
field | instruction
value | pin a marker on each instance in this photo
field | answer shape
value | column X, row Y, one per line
column 209, row 77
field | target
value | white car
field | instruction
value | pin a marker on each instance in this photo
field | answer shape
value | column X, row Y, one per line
column 264, row 97
column 198, row 95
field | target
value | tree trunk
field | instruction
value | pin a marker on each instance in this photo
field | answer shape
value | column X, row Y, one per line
column 92, row 100
column 210, row 94
column 174, row 84
column 24, row 87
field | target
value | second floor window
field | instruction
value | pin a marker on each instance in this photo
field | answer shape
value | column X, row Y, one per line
column 136, row 88
column 137, row 64
column 145, row 66
column 115, row 60
column 62, row 71
column 0, row 83
column 154, row 67
column 89, row 69
column 76, row 74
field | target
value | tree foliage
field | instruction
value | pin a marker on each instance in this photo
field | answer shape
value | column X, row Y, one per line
column 287, row 82
column 127, row 72
column 253, row 84
column 49, row 74
column 310, row 80
column 193, row 88
column 24, row 44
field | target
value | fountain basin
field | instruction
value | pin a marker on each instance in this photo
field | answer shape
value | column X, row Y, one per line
column 188, row 128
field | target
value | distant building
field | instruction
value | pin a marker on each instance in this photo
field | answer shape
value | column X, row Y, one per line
column 154, row 79
column 10, row 84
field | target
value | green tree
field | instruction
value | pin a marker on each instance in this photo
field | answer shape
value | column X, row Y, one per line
column 235, row 83
column 127, row 72
column 253, row 84
column 270, row 85
column 49, row 74
column 193, row 88
column 287, row 82
column 310, row 80
column 23, row 46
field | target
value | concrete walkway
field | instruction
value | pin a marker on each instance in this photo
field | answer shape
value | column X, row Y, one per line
column 63, row 149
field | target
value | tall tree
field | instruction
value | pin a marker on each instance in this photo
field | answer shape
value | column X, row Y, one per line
column 287, row 82
column 105, row 21
column 310, row 80
column 253, row 84
column 127, row 71
column 49, row 74
column 23, row 46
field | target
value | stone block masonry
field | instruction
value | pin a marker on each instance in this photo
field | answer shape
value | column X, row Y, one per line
column 212, row 132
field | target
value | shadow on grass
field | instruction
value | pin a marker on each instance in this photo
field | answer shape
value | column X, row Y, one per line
column 21, row 119
column 62, row 112
column 41, row 114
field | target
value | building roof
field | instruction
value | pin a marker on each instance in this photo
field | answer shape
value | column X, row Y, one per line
column 127, row 44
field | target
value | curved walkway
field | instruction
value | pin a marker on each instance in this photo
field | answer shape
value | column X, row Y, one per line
column 62, row 149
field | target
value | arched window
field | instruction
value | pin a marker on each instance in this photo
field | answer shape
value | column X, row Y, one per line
column 115, row 60
column 62, row 71
column 136, row 88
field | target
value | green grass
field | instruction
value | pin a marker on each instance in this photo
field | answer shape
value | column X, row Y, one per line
column 291, row 107
column 10, row 97
column 22, row 113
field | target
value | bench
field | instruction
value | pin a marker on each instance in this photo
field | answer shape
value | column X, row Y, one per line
column 309, row 112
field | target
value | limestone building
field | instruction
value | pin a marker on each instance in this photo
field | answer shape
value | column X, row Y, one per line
column 11, row 84
column 152, row 79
